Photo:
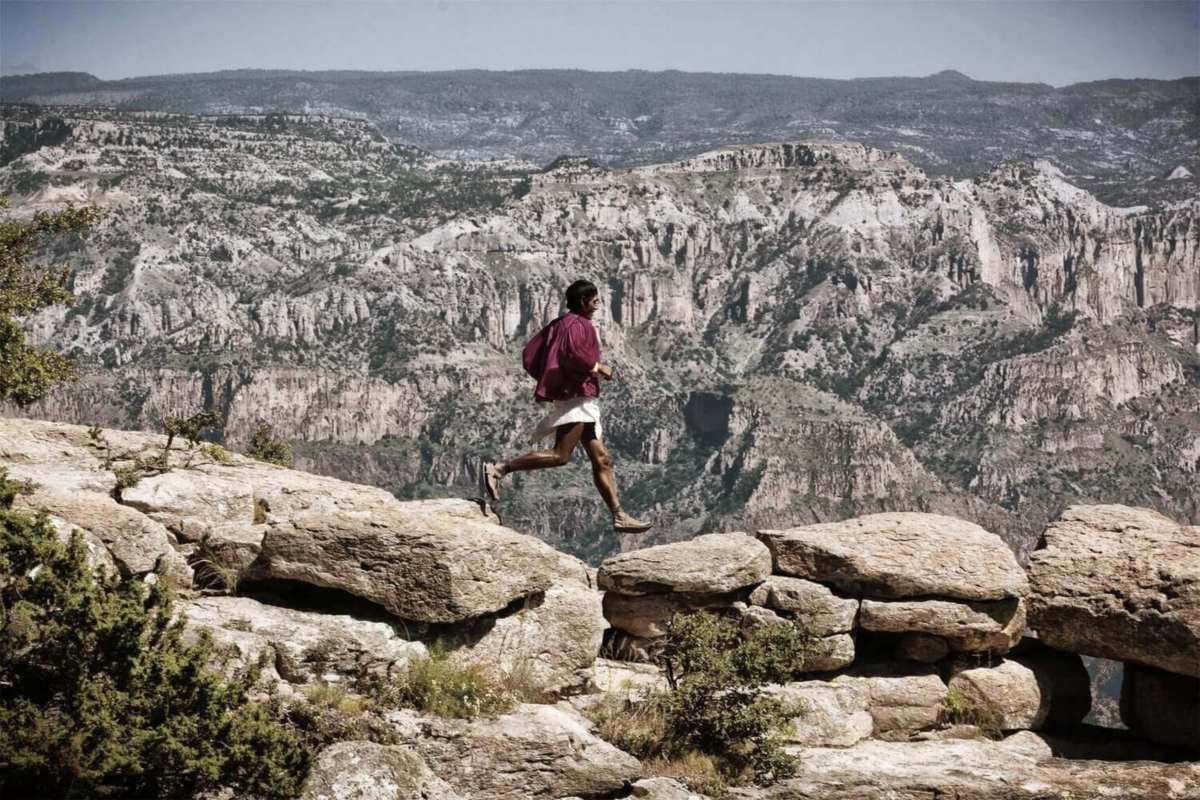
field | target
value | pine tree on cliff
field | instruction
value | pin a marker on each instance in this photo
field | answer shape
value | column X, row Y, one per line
column 27, row 372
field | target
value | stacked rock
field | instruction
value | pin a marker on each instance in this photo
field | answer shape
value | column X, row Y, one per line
column 905, row 608
column 1124, row 583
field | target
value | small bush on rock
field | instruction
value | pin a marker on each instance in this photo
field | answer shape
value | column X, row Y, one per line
column 959, row 709
column 440, row 686
column 101, row 696
column 715, row 706
column 713, row 725
column 266, row 446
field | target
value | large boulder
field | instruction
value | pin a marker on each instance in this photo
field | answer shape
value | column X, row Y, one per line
column 535, row 751
column 815, row 608
column 1120, row 583
column 1020, row 767
column 428, row 561
column 965, row 626
column 305, row 645
column 136, row 543
column 712, row 564
column 897, row 555
column 368, row 771
column 1161, row 706
column 554, row 638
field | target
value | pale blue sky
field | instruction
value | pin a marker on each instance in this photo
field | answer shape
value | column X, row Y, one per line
column 1049, row 42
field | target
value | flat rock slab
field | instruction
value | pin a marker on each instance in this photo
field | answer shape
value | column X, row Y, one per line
column 976, row 626
column 1120, row 583
column 814, row 607
column 536, row 751
column 428, row 561
column 900, row 555
column 369, row 771
column 835, row 715
column 712, row 564
column 1020, row 767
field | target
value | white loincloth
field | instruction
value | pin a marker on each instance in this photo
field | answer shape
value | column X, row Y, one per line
column 568, row 412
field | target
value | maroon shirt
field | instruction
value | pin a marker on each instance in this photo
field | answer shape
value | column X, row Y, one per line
column 571, row 350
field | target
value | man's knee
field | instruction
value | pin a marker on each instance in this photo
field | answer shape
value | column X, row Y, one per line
column 602, row 462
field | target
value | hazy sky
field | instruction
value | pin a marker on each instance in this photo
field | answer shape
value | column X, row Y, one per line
column 1050, row 42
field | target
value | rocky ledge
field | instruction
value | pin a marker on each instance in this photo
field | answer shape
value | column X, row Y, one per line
column 940, row 668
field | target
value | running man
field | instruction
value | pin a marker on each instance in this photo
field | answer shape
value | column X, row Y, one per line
column 564, row 358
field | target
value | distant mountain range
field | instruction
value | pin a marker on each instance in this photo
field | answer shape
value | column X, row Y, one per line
column 1123, row 140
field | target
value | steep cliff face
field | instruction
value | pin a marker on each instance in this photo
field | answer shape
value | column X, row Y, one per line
column 802, row 331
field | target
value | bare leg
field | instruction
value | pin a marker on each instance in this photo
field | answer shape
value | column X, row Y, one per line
column 602, row 473
column 566, row 437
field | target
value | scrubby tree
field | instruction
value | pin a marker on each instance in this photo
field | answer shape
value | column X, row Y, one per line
column 28, row 372
column 101, row 695
column 266, row 446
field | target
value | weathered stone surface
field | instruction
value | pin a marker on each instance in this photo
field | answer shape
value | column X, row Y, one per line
column 830, row 653
column 97, row 555
column 1018, row 768
column 137, row 544
column 533, row 752
column 712, row 564
column 1120, row 583
column 555, row 638
column 899, row 701
column 900, row 555
column 815, row 608
column 1063, row 674
column 834, row 714
column 430, row 561
column 368, row 771
column 307, row 645
column 978, row 626
column 628, row 679
column 1007, row 694
column 227, row 554
column 647, row 615
column 922, row 648
column 663, row 789
column 1161, row 706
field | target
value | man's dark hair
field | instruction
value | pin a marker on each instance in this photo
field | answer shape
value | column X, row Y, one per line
column 579, row 293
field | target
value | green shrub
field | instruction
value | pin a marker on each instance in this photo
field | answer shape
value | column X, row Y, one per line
column 266, row 446
column 101, row 696
column 960, row 709
column 715, row 706
column 714, row 716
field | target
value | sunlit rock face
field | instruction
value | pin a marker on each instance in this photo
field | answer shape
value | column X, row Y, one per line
column 802, row 331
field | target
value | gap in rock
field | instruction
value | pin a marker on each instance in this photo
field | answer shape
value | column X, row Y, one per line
column 300, row 596
column 1106, row 677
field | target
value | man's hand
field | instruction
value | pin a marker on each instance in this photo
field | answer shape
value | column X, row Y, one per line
column 604, row 370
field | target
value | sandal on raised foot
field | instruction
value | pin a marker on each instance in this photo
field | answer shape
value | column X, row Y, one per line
column 491, row 482
column 623, row 523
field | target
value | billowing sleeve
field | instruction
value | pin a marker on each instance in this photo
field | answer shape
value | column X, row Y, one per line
column 582, row 349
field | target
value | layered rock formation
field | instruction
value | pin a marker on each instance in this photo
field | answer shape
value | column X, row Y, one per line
column 899, row 704
column 1124, row 584
column 804, row 331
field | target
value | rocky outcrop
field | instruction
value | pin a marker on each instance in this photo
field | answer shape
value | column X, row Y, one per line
column 1016, row 695
column 369, row 771
column 532, row 752
column 1019, row 768
column 814, row 608
column 1120, row 583
column 979, row 626
column 900, row 555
